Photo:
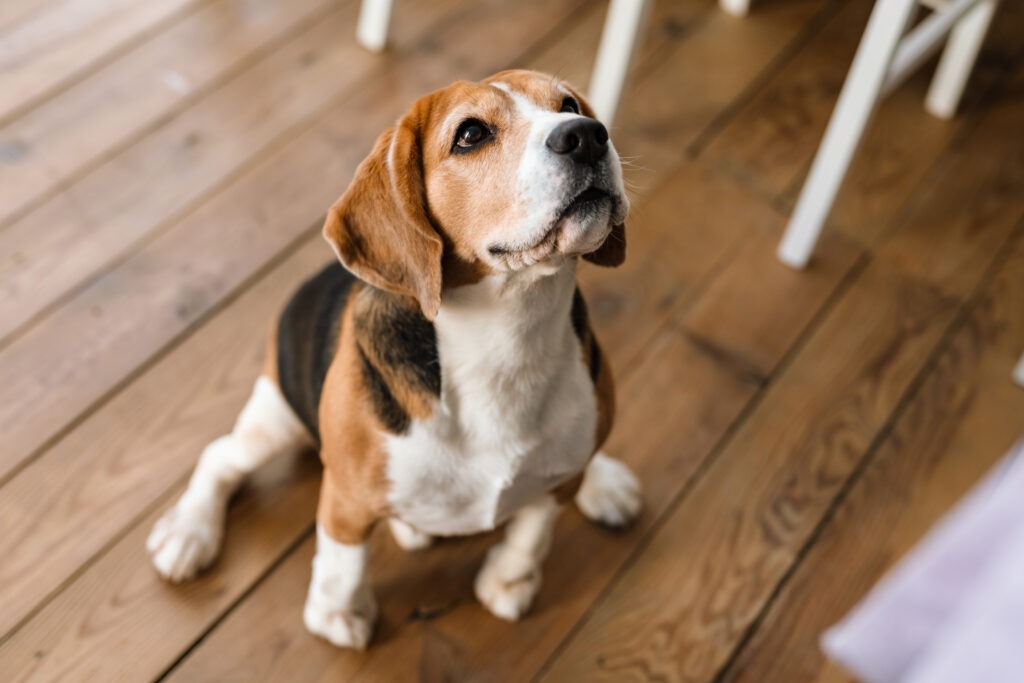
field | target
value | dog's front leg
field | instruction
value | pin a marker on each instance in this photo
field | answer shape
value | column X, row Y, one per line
column 340, row 606
column 511, row 575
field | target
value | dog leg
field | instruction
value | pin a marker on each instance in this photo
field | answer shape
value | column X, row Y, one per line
column 340, row 606
column 610, row 492
column 188, row 537
column 408, row 537
column 511, row 575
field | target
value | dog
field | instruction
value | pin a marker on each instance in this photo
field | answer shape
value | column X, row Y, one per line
column 445, row 366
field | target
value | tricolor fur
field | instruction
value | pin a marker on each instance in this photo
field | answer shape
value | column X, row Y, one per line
column 448, row 372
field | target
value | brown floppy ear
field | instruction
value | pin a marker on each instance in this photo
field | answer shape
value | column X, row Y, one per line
column 612, row 251
column 379, row 228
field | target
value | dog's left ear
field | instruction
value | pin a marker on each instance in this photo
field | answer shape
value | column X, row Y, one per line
column 612, row 251
column 380, row 228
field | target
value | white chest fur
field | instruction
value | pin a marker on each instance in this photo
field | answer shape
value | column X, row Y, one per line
column 517, row 413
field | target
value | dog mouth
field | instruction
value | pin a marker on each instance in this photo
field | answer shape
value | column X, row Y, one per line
column 585, row 205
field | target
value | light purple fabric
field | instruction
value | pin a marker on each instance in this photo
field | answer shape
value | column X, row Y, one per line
column 952, row 611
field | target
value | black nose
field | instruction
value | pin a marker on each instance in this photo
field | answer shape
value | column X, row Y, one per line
column 584, row 140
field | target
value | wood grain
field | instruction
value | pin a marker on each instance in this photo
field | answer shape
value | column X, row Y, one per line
column 770, row 144
column 110, row 469
column 964, row 418
column 176, row 278
column 680, row 608
column 48, row 48
column 109, row 109
column 129, row 198
column 742, row 52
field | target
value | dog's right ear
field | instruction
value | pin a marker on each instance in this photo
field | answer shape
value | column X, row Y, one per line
column 380, row 228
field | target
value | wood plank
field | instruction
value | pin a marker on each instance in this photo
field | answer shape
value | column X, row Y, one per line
column 680, row 608
column 697, row 397
column 178, row 277
column 46, row 50
column 841, row 387
column 118, row 621
column 107, row 110
column 154, row 182
column 112, row 468
column 734, row 316
column 680, row 98
column 971, row 200
column 770, row 143
column 965, row 417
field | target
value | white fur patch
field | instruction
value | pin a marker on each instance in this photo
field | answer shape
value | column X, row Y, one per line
column 517, row 413
column 188, row 537
column 610, row 492
column 511, row 575
column 340, row 606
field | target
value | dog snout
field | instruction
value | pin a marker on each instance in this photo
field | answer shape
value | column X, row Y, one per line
column 583, row 140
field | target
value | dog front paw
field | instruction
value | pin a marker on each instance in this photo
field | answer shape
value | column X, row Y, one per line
column 407, row 536
column 184, row 542
column 507, row 583
column 610, row 493
column 350, row 627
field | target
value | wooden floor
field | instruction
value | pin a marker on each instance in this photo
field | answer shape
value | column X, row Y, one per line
column 164, row 169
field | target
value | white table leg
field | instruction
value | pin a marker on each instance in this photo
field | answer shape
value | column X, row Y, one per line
column 372, row 29
column 958, row 59
column 1018, row 373
column 737, row 8
column 856, row 103
column 618, row 41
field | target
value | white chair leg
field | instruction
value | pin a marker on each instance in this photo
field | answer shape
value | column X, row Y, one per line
column 737, row 8
column 1018, row 372
column 958, row 59
column 372, row 29
column 856, row 103
column 618, row 41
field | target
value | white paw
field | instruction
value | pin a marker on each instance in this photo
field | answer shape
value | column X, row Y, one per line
column 507, row 583
column 408, row 537
column 184, row 542
column 610, row 493
column 349, row 627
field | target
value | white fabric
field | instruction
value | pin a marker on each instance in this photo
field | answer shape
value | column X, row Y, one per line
column 952, row 611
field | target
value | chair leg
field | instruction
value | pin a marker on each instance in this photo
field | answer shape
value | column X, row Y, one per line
column 372, row 29
column 621, row 33
column 737, row 8
column 1018, row 372
column 856, row 103
column 958, row 59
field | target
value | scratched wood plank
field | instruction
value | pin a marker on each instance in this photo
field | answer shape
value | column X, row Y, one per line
column 151, row 184
column 94, row 341
column 964, row 418
column 47, row 147
column 47, row 49
column 745, row 522
column 677, row 612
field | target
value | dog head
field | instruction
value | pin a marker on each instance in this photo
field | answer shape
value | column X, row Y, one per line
column 482, row 178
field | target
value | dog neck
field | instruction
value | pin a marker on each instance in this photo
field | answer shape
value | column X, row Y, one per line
column 504, row 342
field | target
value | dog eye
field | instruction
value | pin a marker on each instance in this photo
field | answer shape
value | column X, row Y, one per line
column 570, row 106
column 470, row 134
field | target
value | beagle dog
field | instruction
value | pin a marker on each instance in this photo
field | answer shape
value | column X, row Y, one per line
column 445, row 369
